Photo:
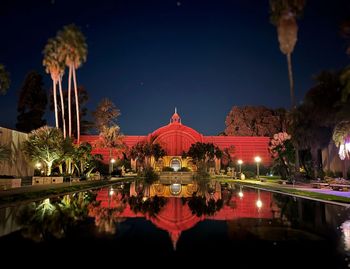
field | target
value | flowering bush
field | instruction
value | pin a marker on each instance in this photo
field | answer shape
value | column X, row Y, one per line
column 282, row 151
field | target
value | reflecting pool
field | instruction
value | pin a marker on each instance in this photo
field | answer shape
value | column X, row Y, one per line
column 216, row 223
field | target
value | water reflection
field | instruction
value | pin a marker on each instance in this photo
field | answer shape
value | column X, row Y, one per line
column 248, row 214
column 51, row 218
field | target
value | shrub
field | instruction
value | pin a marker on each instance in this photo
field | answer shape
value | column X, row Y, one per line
column 185, row 169
column 167, row 169
column 249, row 174
column 149, row 176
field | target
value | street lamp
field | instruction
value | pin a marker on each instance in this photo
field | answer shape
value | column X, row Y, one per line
column 257, row 160
column 240, row 166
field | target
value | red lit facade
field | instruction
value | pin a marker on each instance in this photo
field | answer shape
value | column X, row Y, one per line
column 177, row 138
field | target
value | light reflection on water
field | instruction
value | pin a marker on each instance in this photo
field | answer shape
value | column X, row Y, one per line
column 232, row 211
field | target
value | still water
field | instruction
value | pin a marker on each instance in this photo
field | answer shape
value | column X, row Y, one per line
column 217, row 224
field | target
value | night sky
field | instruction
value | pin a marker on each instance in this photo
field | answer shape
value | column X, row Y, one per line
column 149, row 56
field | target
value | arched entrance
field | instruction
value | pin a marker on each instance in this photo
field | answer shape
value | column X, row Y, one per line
column 175, row 163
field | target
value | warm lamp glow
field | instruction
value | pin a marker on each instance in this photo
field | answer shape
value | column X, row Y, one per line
column 239, row 161
column 257, row 159
column 259, row 203
column 240, row 194
column 38, row 165
column 111, row 192
column 112, row 160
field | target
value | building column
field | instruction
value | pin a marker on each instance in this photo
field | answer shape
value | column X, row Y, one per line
column 133, row 164
column 217, row 165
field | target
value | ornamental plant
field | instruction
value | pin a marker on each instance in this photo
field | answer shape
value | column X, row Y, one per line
column 282, row 152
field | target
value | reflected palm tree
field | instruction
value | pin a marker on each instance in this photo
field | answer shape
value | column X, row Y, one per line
column 47, row 220
column 148, row 206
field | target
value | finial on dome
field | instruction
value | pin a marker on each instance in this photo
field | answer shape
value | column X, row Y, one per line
column 175, row 118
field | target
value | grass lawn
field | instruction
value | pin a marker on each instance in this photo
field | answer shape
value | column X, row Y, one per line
column 288, row 190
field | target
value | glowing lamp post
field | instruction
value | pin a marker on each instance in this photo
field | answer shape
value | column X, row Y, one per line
column 257, row 160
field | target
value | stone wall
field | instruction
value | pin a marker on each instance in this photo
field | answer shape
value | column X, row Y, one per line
column 17, row 165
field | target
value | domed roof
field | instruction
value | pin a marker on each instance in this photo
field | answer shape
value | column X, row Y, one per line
column 176, row 137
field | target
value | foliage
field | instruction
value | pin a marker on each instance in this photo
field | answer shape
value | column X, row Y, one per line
column 184, row 169
column 341, row 138
column 111, row 138
column 106, row 114
column 200, row 205
column 227, row 154
column 149, row 176
column 282, row 152
column 4, row 80
column 143, row 150
column 52, row 219
column 44, row 145
column 250, row 169
column 73, row 47
column 51, row 61
column 311, row 124
column 255, row 121
column 84, row 161
column 279, row 7
column 73, row 52
column 32, row 103
column 167, row 169
column 150, row 206
column 203, row 153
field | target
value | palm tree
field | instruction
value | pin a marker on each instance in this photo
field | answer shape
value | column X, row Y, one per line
column 345, row 74
column 73, row 51
column 4, row 80
column 110, row 138
column 341, row 139
column 55, row 68
column 283, row 15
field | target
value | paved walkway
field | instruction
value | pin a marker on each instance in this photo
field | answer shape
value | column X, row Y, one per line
column 302, row 187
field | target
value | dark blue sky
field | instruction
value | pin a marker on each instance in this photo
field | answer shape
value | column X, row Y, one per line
column 149, row 56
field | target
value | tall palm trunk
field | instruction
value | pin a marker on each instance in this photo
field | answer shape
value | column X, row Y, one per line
column 292, row 98
column 76, row 103
column 62, row 107
column 54, row 82
column 291, row 80
column 70, row 101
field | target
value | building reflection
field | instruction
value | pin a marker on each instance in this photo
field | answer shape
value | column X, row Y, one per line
column 179, row 211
